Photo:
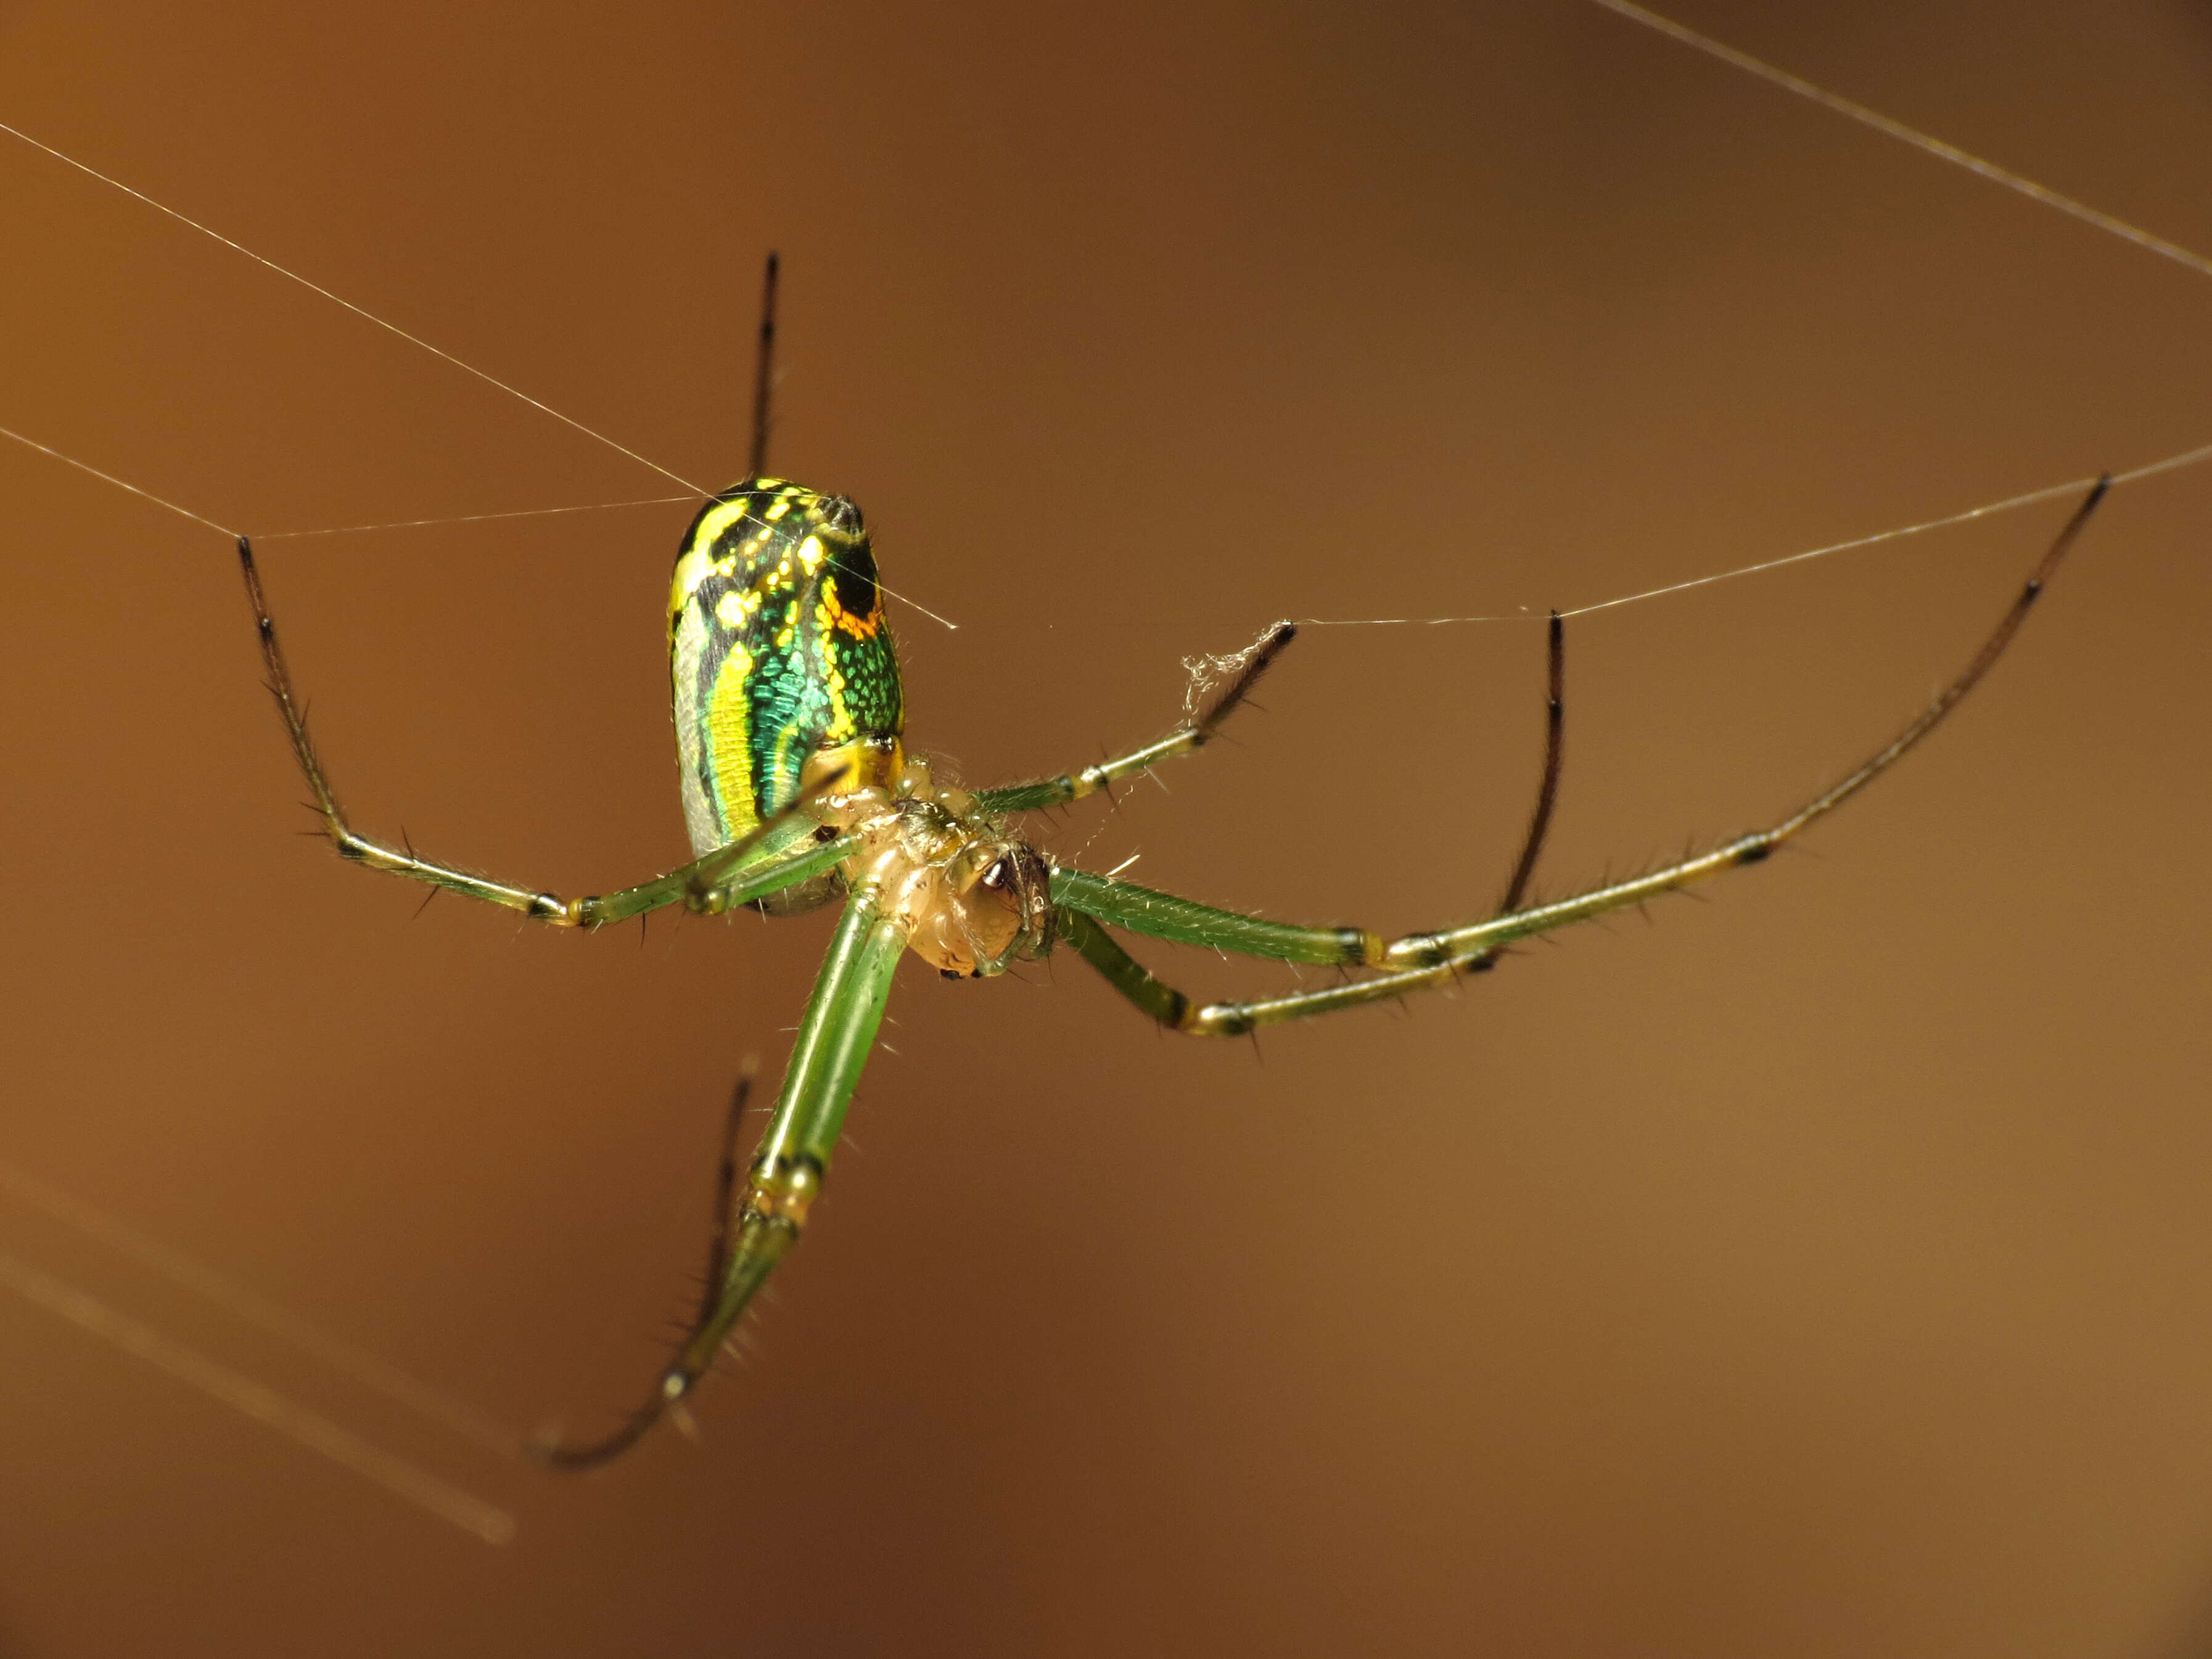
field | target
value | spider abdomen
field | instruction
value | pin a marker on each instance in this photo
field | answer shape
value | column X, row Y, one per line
column 778, row 651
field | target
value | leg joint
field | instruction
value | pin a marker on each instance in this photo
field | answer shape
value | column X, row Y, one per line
column 1415, row 950
column 1220, row 1020
column 561, row 913
column 780, row 1193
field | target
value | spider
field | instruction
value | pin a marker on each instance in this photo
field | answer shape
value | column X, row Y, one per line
column 798, row 791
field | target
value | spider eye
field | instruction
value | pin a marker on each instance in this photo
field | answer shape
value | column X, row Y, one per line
column 1001, row 875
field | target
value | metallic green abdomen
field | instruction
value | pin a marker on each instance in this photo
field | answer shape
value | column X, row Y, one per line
column 777, row 648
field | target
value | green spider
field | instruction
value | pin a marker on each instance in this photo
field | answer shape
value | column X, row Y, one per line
column 798, row 790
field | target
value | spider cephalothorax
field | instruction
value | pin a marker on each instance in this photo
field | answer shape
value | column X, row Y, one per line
column 970, row 897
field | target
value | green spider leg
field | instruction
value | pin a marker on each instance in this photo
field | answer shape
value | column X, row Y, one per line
column 755, row 1229
column 1427, row 960
column 1074, row 786
column 1084, row 900
column 765, row 862
column 753, row 1233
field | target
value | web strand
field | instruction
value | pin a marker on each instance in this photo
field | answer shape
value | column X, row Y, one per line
column 1735, row 58
column 1912, row 136
column 486, row 1433
column 367, row 316
column 2175, row 462
column 258, row 1401
column 109, row 477
column 466, row 517
column 696, row 491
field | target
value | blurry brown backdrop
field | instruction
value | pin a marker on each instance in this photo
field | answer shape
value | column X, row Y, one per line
column 1827, row 1269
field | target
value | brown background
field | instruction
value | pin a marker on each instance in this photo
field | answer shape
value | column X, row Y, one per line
column 1824, row 1270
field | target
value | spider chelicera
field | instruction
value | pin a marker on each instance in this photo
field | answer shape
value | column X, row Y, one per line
column 797, row 791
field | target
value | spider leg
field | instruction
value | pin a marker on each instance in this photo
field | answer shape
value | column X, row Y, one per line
column 633, row 1427
column 726, row 1190
column 1547, row 793
column 1173, row 1009
column 756, row 1229
column 763, row 371
column 1074, row 786
column 746, row 869
column 1422, row 961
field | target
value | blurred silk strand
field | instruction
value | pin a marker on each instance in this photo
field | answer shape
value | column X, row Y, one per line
column 1912, row 136
column 258, row 1401
column 481, row 1429
column 1930, row 145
